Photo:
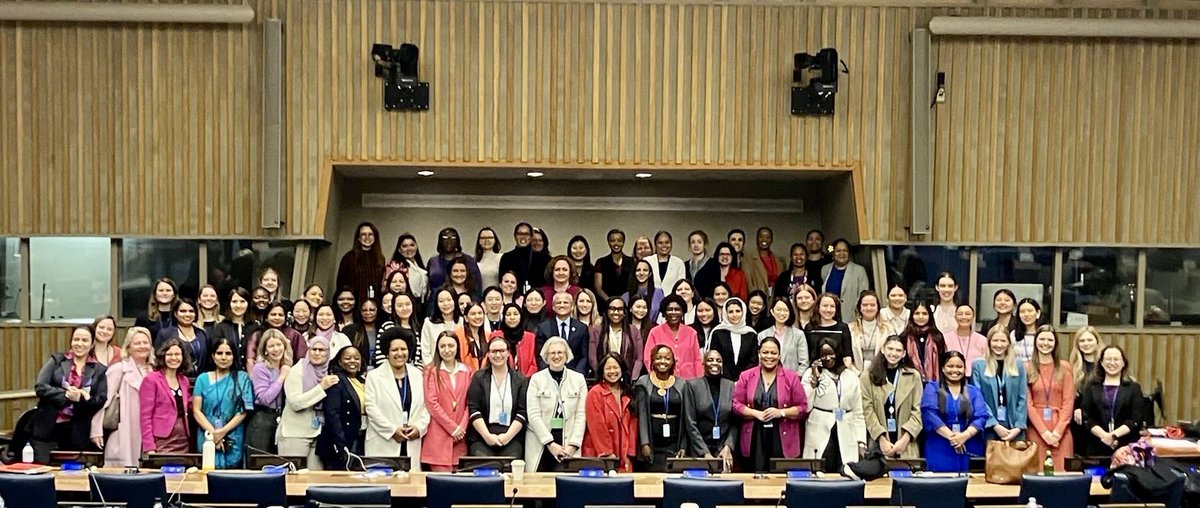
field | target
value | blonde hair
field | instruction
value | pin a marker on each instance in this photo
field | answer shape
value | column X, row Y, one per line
column 990, row 358
column 1076, row 358
column 545, row 352
column 593, row 319
column 273, row 333
column 1032, row 369
column 130, row 334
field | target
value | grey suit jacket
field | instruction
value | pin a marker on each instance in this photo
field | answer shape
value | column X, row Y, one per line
column 698, row 406
column 854, row 283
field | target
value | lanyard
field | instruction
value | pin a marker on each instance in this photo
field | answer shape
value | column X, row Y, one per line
column 891, row 398
column 667, row 401
column 503, row 392
column 1049, row 385
column 1112, row 405
column 716, row 413
column 402, row 384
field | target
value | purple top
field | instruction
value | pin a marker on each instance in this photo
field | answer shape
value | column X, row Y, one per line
column 267, row 386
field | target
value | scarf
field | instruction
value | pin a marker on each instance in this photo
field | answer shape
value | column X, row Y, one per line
column 740, row 328
column 311, row 372
column 928, row 367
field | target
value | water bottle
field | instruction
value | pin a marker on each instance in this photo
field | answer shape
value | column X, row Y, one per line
column 1032, row 503
column 208, row 453
column 27, row 454
column 1048, row 464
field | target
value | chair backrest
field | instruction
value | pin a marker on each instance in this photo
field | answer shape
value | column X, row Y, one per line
column 28, row 490
column 825, row 493
column 141, row 490
column 350, row 495
column 705, row 493
column 1068, row 491
column 445, row 490
column 265, row 489
column 929, row 492
column 1122, row 492
column 579, row 491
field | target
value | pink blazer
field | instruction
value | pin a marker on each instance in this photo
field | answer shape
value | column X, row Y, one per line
column 158, row 407
column 790, row 394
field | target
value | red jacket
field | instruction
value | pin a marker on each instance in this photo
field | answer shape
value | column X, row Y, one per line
column 523, row 358
column 158, row 407
column 611, row 427
column 736, row 280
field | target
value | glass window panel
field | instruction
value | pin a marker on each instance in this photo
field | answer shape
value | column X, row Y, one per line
column 1172, row 287
column 10, row 276
column 916, row 267
column 145, row 261
column 239, row 263
column 70, row 278
column 1099, row 286
column 1027, row 272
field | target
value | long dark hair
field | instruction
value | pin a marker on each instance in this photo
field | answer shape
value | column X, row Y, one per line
column 435, row 315
column 878, row 370
column 399, row 258
column 469, row 284
column 479, row 247
column 375, row 254
column 236, row 376
column 646, row 323
column 633, row 282
column 185, row 366
column 624, row 383
column 964, row 403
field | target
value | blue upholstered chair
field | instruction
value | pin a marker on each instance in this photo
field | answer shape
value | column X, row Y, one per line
column 28, row 490
column 135, row 490
column 929, row 492
column 444, row 490
column 263, row 489
column 578, row 491
column 825, row 493
column 1070, row 491
column 349, row 495
column 705, row 493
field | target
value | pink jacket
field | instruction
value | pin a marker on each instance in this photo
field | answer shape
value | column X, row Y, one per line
column 158, row 407
column 789, row 393
column 447, row 409
column 686, row 346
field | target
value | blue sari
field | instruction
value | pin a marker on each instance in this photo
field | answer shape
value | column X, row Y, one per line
column 220, row 405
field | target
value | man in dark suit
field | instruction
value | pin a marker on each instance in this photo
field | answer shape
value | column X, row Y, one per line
column 567, row 327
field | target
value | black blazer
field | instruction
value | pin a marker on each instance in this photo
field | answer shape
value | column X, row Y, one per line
column 698, row 406
column 577, row 338
column 343, row 419
column 1095, row 413
column 226, row 329
column 52, row 398
column 722, row 342
column 479, row 400
column 165, row 320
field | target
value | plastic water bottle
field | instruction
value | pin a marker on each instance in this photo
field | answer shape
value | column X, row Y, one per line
column 1032, row 503
column 27, row 454
column 208, row 453
column 1048, row 465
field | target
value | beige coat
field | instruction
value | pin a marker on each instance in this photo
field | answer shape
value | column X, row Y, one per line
column 385, row 413
column 540, row 401
column 908, row 407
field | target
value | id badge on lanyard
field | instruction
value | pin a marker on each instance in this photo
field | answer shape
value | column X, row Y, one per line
column 891, row 420
column 716, row 430
column 666, row 426
column 1001, row 409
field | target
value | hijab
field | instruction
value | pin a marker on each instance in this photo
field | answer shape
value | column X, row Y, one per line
column 311, row 372
column 739, row 328
column 512, row 335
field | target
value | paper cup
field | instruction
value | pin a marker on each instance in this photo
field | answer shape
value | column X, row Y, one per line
column 518, row 470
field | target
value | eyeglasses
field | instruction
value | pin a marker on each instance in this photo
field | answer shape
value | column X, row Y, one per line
column 498, row 351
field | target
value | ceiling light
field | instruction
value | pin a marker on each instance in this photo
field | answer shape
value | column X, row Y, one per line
column 425, row 172
column 535, row 174
column 643, row 175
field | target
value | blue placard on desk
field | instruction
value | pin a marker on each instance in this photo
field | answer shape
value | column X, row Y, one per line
column 799, row 473
column 1095, row 471
column 591, row 472
column 900, row 473
column 695, row 473
column 487, row 471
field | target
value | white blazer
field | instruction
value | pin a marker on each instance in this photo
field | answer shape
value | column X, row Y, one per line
column 540, row 401
column 296, row 421
column 822, row 402
column 676, row 270
column 384, row 414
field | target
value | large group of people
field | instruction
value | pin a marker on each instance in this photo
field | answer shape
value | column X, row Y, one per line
column 743, row 355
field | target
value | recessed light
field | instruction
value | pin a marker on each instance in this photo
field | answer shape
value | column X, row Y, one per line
column 643, row 175
column 425, row 172
column 535, row 174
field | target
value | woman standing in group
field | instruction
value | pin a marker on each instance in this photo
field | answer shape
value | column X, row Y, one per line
column 943, row 312
column 159, row 314
column 493, row 308
column 1051, row 399
column 684, row 289
column 615, row 335
column 103, row 350
column 867, row 331
column 260, row 302
column 771, row 402
column 234, row 327
column 445, row 318
column 1002, row 380
column 828, row 326
column 892, row 401
column 194, row 337
column 450, row 253
column 324, row 324
column 1085, row 357
column 660, row 400
column 954, row 414
column 722, row 268
column 677, row 336
column 794, row 353
column 508, row 289
column 473, row 339
column 165, row 401
column 343, row 311
column 965, row 339
column 667, row 269
column 708, row 412
column 796, row 274
column 707, row 320
column 896, row 313
column 642, row 284
column 268, row 279
column 555, row 409
column 580, row 255
column 835, row 431
column 497, row 427
column 735, row 341
column 395, row 406
column 1003, row 302
column 122, row 444
column 523, row 342
column 805, row 302
column 487, row 256
column 1112, row 405
column 268, row 376
column 586, row 310
column 344, row 408
column 403, row 318
column 301, row 420
column 612, row 424
column 533, row 306
column 446, row 383
column 314, row 295
column 222, row 400
column 361, row 268
column 640, row 319
column 924, row 343
column 406, row 259
column 364, row 333
column 642, row 249
column 71, row 387
column 1029, row 315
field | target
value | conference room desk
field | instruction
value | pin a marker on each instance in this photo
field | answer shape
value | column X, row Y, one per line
column 540, row 485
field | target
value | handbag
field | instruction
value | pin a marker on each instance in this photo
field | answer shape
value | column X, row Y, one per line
column 1008, row 461
column 112, row 413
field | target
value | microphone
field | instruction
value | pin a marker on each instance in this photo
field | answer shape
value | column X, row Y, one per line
column 779, row 501
column 513, row 500
column 92, row 470
column 174, row 495
column 288, row 462
column 352, row 455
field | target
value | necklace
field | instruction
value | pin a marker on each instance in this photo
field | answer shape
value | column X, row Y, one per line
column 663, row 384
